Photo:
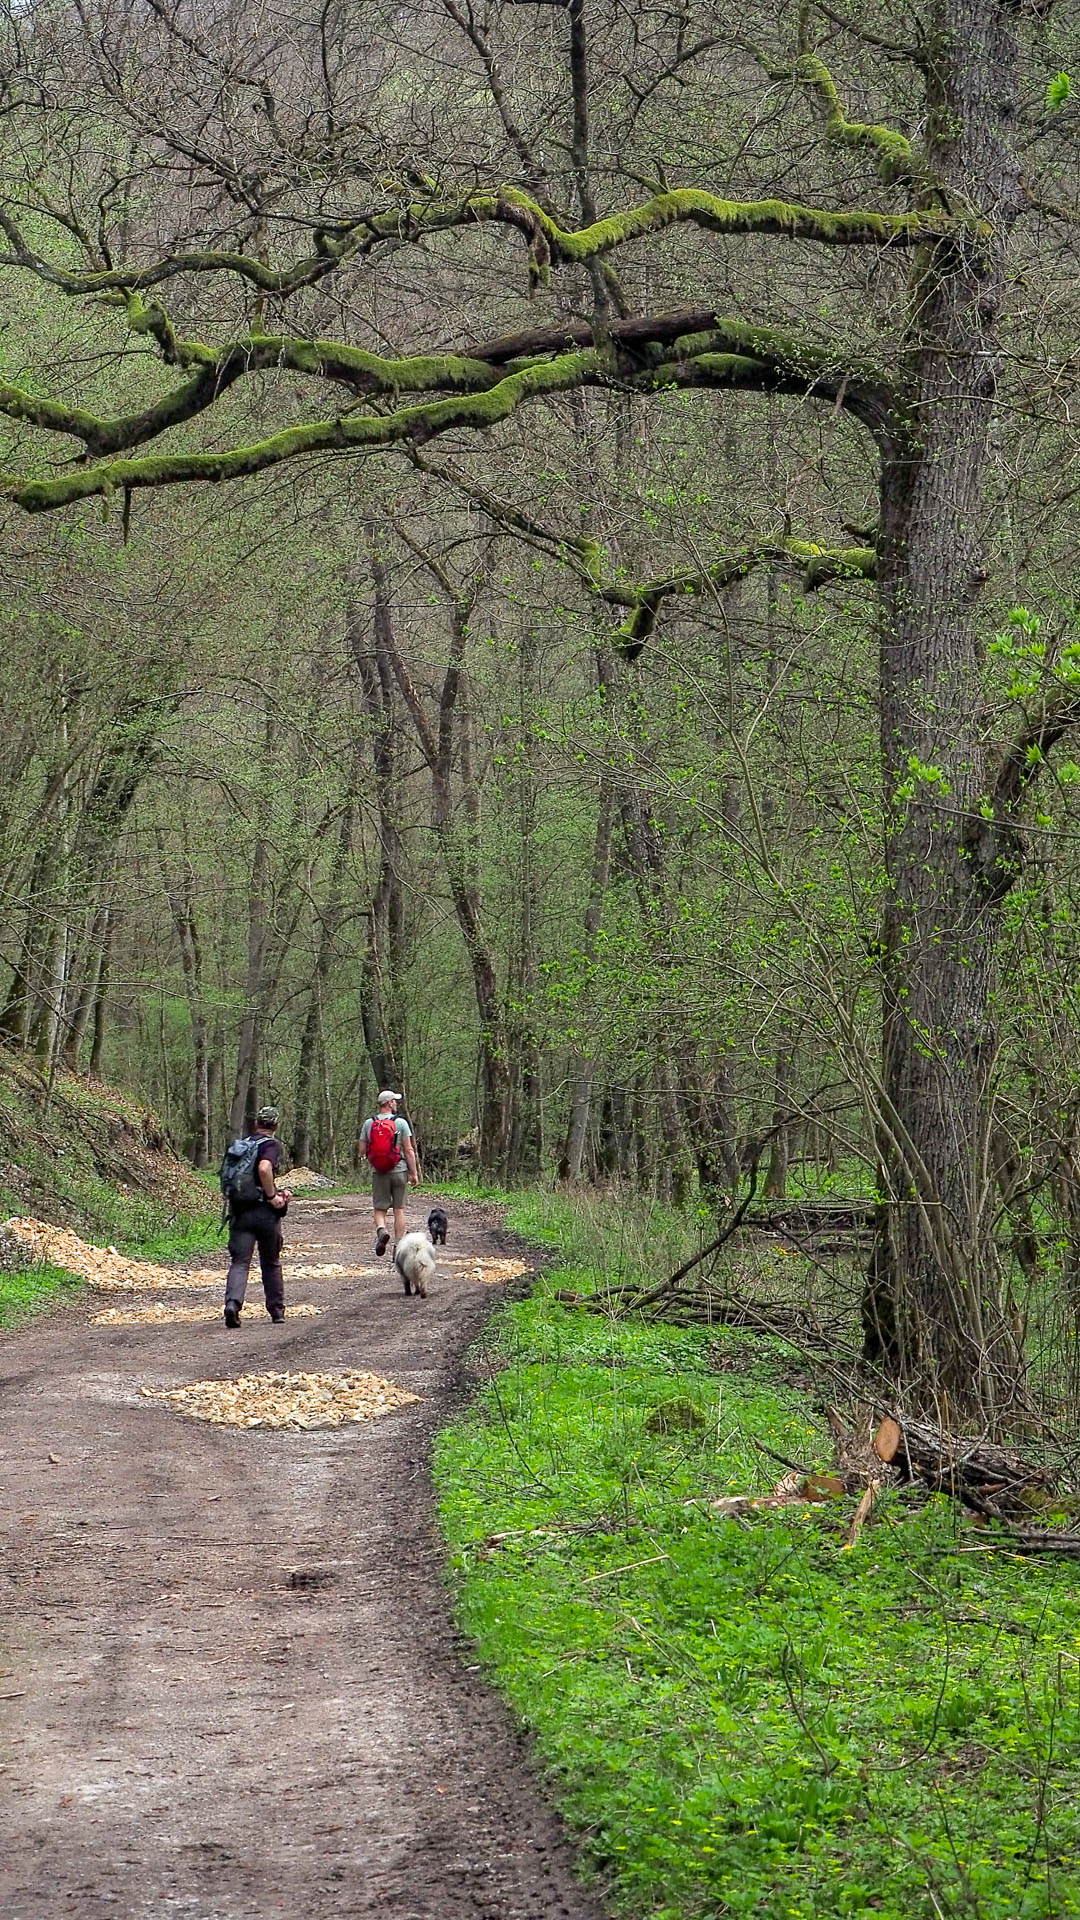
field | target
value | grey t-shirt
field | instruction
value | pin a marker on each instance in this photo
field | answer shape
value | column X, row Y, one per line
column 402, row 1132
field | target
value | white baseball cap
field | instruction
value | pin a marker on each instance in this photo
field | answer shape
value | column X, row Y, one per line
column 387, row 1095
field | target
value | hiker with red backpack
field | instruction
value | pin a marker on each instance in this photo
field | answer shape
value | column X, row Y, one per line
column 387, row 1140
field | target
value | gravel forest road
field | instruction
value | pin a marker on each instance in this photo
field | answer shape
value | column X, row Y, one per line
column 229, row 1682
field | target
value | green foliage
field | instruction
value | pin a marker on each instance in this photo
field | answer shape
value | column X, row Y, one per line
column 87, row 1156
column 178, row 1238
column 1058, row 90
column 752, row 1719
column 24, row 1294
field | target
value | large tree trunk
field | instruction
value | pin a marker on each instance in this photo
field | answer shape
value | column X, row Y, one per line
column 329, row 924
column 101, row 996
column 383, row 960
column 182, row 908
column 245, row 1085
column 77, row 1019
column 584, row 1066
column 525, row 1150
column 933, row 1310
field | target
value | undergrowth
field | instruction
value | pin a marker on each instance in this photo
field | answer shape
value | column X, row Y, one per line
column 24, row 1294
column 749, row 1719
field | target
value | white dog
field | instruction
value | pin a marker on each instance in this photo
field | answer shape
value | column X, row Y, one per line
column 415, row 1262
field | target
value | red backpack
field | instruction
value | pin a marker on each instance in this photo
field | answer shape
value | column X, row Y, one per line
column 382, row 1146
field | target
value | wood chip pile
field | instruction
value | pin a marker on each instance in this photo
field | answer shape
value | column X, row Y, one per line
column 297, row 1401
column 36, row 1242
column 299, row 1177
column 160, row 1314
column 333, row 1270
column 490, row 1273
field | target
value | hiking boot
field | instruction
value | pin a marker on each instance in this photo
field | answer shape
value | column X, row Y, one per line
column 382, row 1241
column 232, row 1315
column 278, row 1317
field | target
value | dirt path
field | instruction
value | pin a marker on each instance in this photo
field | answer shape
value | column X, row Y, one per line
column 230, row 1686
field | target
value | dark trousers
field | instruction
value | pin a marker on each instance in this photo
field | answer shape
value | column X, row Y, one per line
column 255, row 1227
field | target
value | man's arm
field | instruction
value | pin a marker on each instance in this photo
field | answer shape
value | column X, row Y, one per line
column 269, row 1184
column 410, row 1160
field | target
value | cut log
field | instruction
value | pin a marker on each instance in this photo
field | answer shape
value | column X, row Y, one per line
column 984, row 1475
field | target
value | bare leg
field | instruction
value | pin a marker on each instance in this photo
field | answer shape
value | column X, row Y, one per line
column 400, row 1223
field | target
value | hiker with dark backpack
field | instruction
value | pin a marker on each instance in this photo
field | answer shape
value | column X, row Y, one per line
column 254, row 1207
column 387, row 1141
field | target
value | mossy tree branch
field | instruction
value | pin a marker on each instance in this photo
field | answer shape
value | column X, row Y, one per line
column 642, row 603
column 817, row 565
column 548, row 242
column 894, row 158
column 726, row 354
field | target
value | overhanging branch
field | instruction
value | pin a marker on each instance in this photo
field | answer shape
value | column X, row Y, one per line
column 548, row 242
column 641, row 604
column 728, row 355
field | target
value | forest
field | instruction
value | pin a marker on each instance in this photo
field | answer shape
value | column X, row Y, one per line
column 540, row 568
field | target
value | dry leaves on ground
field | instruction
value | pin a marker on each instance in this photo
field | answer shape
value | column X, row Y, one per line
column 490, row 1273
column 292, row 1400
column 160, row 1314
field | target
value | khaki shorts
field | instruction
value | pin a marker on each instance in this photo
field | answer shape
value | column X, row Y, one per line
column 388, row 1189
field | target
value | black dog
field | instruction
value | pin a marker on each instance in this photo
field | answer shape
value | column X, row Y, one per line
column 437, row 1224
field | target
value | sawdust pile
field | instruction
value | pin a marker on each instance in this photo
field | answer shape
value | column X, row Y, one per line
column 298, row 1177
column 37, row 1241
column 160, row 1314
column 330, row 1272
column 490, row 1273
column 292, row 1400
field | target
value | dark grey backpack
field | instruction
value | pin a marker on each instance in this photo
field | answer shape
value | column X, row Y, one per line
column 240, row 1183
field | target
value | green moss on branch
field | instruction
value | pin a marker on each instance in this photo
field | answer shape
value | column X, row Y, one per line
column 816, row 565
column 892, row 153
column 358, row 432
column 707, row 210
column 509, row 206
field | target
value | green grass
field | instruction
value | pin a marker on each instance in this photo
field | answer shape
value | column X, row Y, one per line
column 144, row 1228
column 176, row 1237
column 22, row 1295
column 751, row 1719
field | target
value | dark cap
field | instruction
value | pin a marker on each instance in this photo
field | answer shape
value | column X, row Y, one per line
column 266, row 1117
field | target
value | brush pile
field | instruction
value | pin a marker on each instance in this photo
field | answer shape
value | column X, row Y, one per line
column 295, row 1401
column 877, row 1452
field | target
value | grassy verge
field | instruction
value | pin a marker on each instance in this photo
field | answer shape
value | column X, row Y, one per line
column 22, row 1295
column 750, row 1719
column 173, row 1237
column 145, row 1228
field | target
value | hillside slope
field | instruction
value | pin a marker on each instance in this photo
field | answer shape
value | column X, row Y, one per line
column 85, row 1155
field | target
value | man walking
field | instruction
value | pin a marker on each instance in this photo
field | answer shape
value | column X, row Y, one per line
column 388, row 1142
column 255, row 1209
